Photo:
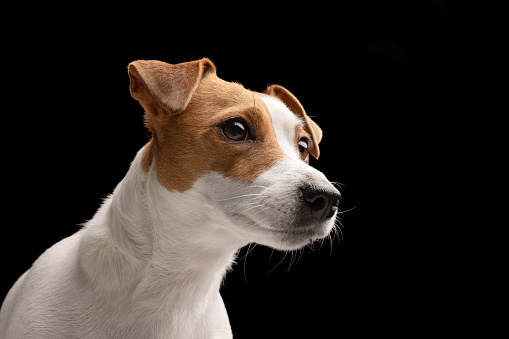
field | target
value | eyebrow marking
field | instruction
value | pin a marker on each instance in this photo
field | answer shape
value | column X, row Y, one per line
column 301, row 123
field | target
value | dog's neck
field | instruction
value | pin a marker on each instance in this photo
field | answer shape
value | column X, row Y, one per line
column 156, row 246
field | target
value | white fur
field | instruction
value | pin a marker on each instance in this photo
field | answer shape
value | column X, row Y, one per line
column 285, row 124
column 149, row 264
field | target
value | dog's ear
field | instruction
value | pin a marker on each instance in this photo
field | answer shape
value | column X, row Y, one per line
column 295, row 106
column 158, row 85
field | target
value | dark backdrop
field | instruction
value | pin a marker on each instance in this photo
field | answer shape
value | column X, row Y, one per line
column 381, row 80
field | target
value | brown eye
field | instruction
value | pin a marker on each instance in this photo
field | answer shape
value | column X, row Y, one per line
column 303, row 148
column 236, row 129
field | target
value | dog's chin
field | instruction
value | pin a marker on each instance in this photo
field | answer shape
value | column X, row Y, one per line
column 285, row 237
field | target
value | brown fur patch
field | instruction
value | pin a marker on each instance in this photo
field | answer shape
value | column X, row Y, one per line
column 148, row 155
column 191, row 144
column 184, row 106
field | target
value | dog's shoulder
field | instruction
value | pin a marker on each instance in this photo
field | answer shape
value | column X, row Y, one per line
column 36, row 297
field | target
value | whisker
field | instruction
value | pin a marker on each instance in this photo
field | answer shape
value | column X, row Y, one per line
column 291, row 260
column 256, row 186
column 338, row 184
column 241, row 196
column 301, row 252
column 284, row 256
column 249, row 249
column 340, row 238
column 338, row 229
column 237, row 208
column 321, row 244
column 331, row 238
column 268, row 263
column 343, row 212
column 262, row 221
column 250, row 208
column 266, row 208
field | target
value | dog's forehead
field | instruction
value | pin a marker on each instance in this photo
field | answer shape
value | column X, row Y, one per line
column 214, row 95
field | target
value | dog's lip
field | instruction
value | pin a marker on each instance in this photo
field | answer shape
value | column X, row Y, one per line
column 305, row 231
column 308, row 231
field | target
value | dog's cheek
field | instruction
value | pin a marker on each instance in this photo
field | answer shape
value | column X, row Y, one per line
column 247, row 163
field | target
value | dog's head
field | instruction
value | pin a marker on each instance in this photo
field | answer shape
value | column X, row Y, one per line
column 246, row 154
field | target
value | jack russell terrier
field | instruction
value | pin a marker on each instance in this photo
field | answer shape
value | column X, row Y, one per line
column 225, row 167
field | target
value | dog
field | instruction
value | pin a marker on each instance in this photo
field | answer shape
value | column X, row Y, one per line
column 224, row 167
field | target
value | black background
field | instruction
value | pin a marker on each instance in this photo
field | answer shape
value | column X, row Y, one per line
column 382, row 79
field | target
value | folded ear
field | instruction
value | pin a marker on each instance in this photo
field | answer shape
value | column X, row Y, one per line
column 295, row 106
column 158, row 85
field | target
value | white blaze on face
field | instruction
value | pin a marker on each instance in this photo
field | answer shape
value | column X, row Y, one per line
column 285, row 125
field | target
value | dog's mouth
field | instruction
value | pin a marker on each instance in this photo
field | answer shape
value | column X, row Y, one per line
column 287, row 237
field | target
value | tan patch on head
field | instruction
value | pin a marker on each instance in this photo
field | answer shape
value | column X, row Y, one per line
column 191, row 143
column 164, row 89
column 185, row 105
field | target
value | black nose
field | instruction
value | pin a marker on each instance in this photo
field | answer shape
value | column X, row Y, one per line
column 321, row 198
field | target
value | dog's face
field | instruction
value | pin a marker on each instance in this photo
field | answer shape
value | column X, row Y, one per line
column 245, row 153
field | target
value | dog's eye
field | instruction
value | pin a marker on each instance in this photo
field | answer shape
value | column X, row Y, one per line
column 236, row 129
column 303, row 148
